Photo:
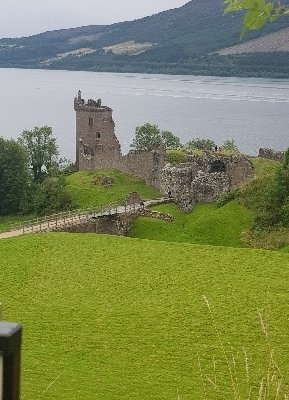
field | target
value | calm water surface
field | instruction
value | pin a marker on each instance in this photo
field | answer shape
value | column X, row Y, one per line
column 253, row 112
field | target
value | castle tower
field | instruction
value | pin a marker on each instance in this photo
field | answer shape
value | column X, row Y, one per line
column 96, row 143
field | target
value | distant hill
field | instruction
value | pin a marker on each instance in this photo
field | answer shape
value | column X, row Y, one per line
column 185, row 40
column 277, row 41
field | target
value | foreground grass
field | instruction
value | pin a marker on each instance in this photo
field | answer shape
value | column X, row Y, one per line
column 88, row 190
column 206, row 224
column 119, row 318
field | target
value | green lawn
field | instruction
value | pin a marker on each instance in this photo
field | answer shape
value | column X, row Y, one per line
column 206, row 224
column 118, row 318
column 88, row 191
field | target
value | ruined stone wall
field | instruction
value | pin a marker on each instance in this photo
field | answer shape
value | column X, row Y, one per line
column 147, row 165
column 110, row 224
column 97, row 146
column 238, row 167
column 176, row 181
column 207, row 187
column 88, row 226
column 239, row 170
column 271, row 154
column 204, row 178
column 115, row 224
column 96, row 143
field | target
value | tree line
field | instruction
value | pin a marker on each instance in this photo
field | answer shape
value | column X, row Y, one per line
column 31, row 174
column 148, row 136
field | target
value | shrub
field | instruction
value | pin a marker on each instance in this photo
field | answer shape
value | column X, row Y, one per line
column 51, row 196
column 176, row 156
column 253, row 194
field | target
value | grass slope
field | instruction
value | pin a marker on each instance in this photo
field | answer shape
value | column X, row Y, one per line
column 206, row 224
column 119, row 318
column 88, row 191
column 264, row 167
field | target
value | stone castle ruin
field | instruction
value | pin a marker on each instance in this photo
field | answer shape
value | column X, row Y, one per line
column 202, row 179
column 97, row 146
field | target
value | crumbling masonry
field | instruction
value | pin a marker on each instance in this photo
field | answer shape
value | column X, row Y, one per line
column 202, row 179
column 97, row 146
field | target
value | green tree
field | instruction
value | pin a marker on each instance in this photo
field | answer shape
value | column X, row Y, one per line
column 42, row 150
column 147, row 137
column 256, row 12
column 200, row 144
column 14, row 177
column 230, row 145
column 275, row 211
column 51, row 196
column 170, row 140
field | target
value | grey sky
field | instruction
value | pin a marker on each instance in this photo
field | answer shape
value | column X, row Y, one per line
column 27, row 17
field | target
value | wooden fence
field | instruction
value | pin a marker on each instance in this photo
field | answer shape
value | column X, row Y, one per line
column 70, row 218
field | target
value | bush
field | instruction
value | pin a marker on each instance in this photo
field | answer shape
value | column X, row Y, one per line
column 253, row 195
column 51, row 196
column 14, row 177
column 176, row 156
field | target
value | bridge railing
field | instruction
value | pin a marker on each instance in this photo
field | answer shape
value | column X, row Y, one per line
column 65, row 218
column 54, row 218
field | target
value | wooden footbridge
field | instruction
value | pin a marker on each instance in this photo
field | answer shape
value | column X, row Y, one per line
column 75, row 217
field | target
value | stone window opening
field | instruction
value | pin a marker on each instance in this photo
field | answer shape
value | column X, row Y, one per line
column 90, row 121
column 218, row 166
column 97, row 135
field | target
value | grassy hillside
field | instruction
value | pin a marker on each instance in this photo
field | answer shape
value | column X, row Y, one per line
column 118, row 318
column 90, row 188
column 273, row 42
column 264, row 167
column 206, row 224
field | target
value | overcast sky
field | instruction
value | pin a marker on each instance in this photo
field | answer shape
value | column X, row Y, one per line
column 28, row 17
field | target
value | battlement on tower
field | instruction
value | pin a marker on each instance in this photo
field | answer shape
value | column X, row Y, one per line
column 90, row 105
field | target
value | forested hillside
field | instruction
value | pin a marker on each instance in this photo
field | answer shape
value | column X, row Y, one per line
column 186, row 40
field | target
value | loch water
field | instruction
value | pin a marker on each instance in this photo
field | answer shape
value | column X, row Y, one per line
column 253, row 112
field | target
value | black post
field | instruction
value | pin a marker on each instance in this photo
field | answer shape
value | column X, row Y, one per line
column 10, row 349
